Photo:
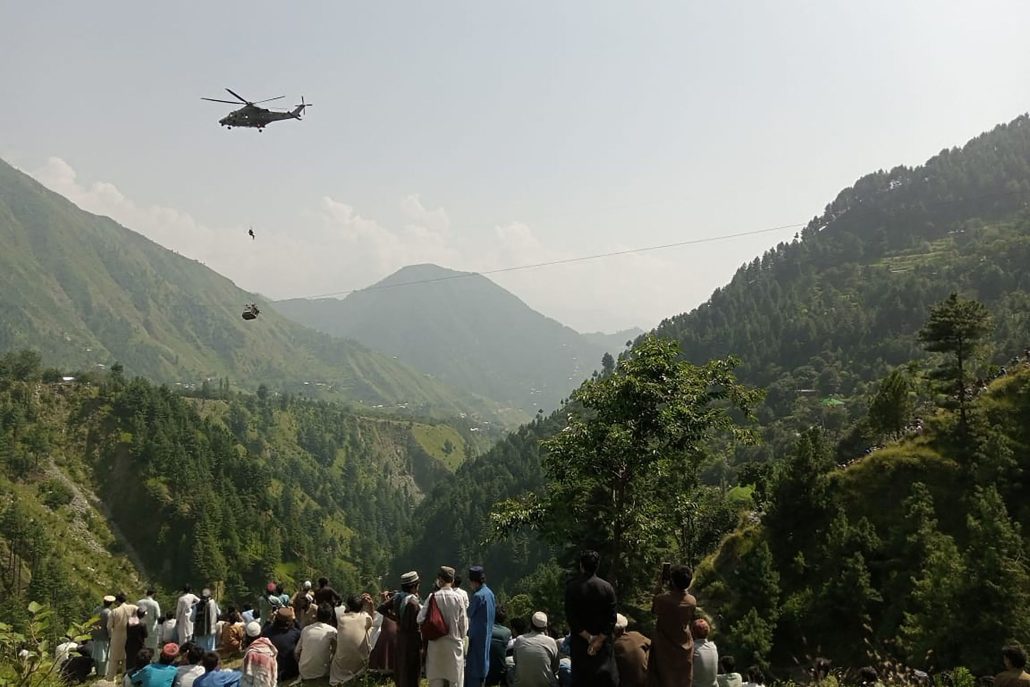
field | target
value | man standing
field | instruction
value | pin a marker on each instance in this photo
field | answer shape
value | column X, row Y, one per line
column 536, row 656
column 445, row 656
column 102, row 638
column 204, row 629
column 302, row 602
column 151, row 619
column 404, row 608
column 590, row 609
column 631, row 654
column 117, row 626
column 326, row 594
column 672, row 652
column 184, row 614
column 482, row 607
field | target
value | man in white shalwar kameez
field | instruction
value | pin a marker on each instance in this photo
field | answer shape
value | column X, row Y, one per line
column 153, row 609
column 184, row 614
column 445, row 657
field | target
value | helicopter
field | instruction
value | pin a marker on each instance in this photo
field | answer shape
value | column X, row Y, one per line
column 251, row 115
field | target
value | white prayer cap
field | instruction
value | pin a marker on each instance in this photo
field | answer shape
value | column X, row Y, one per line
column 540, row 620
column 307, row 584
column 109, row 599
column 621, row 622
column 253, row 628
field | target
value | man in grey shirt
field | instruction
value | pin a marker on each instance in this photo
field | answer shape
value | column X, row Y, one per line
column 536, row 656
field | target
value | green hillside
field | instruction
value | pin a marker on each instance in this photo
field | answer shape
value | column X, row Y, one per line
column 86, row 292
column 108, row 483
column 817, row 322
column 914, row 553
column 464, row 330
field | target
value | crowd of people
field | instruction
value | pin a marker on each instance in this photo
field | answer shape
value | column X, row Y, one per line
column 453, row 637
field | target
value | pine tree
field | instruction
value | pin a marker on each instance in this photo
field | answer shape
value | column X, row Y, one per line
column 957, row 328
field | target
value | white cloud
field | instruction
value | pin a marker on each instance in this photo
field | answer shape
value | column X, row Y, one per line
column 333, row 247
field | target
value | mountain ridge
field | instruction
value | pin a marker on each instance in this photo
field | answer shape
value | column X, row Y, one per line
column 463, row 329
column 87, row 292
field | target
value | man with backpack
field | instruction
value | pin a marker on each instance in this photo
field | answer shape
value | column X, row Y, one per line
column 444, row 623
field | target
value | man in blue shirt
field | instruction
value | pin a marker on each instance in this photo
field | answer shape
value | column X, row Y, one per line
column 160, row 674
column 481, row 611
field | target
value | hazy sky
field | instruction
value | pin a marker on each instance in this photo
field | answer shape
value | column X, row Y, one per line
column 483, row 134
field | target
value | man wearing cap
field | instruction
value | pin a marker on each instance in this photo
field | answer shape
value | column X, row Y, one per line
column 284, row 635
column 445, row 656
column 482, row 607
column 149, row 604
column 102, row 637
column 403, row 607
column 205, row 624
column 260, row 667
column 184, row 614
column 631, row 653
column 302, row 602
column 159, row 674
column 536, row 655
column 118, row 625
column 590, row 609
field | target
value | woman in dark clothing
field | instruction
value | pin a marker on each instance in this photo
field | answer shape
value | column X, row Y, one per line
column 135, row 636
column 384, row 653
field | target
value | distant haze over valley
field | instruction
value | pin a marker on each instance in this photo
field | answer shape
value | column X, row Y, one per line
column 466, row 331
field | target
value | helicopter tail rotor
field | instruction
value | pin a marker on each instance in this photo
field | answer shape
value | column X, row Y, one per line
column 299, row 110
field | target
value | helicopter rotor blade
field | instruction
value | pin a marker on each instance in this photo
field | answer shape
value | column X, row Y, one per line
column 239, row 97
column 268, row 100
column 216, row 100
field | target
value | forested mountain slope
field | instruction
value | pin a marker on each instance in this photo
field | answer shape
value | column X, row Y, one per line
column 465, row 330
column 229, row 490
column 83, row 291
column 914, row 553
column 835, row 308
column 819, row 320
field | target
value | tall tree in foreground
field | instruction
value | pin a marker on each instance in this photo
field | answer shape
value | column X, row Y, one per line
column 633, row 440
column 957, row 328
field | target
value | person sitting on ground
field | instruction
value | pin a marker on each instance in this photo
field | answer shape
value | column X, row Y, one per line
column 1014, row 675
column 189, row 668
column 706, row 655
column 260, row 668
column 77, row 668
column 214, row 676
column 284, row 635
column 868, row 677
column 631, row 654
column 755, row 677
column 350, row 636
column 821, row 671
column 233, row 632
column 139, row 659
column 316, row 644
column 729, row 677
column 499, row 638
column 159, row 674
column 536, row 655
